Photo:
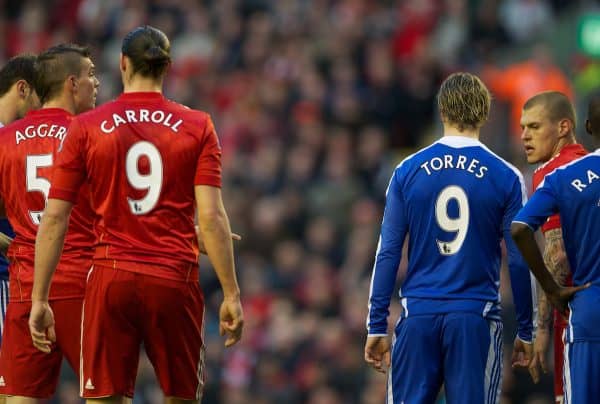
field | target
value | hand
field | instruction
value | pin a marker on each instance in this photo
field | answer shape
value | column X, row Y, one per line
column 202, row 248
column 41, row 326
column 563, row 295
column 231, row 320
column 522, row 353
column 377, row 353
column 540, row 349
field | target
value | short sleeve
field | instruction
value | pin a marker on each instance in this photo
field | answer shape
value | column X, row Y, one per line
column 543, row 204
column 208, row 168
column 69, row 170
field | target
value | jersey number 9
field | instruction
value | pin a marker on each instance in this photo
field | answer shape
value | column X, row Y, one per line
column 458, row 225
column 152, row 182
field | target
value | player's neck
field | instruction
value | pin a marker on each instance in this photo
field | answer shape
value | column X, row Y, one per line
column 451, row 130
column 8, row 110
column 562, row 142
column 62, row 103
column 142, row 84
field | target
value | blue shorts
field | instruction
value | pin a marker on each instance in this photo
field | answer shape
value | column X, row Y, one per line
column 582, row 372
column 462, row 351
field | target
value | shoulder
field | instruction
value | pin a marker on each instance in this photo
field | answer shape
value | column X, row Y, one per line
column 504, row 165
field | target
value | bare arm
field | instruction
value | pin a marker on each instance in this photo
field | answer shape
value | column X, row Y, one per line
column 49, row 245
column 557, row 263
column 216, row 235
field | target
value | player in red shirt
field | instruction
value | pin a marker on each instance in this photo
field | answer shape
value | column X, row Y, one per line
column 152, row 164
column 548, row 123
column 67, row 85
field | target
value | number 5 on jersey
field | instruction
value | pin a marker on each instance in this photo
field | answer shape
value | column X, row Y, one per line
column 36, row 183
column 458, row 225
column 152, row 182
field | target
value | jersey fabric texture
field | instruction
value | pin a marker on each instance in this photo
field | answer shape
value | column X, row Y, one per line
column 142, row 153
column 455, row 201
column 567, row 154
column 28, row 149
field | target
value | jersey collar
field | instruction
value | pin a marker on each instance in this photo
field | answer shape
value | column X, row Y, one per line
column 48, row 112
column 458, row 141
column 141, row 96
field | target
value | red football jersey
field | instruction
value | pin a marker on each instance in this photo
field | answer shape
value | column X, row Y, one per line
column 142, row 155
column 28, row 149
column 565, row 155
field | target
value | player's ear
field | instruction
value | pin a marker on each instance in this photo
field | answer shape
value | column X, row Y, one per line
column 23, row 88
column 122, row 63
column 565, row 126
column 588, row 126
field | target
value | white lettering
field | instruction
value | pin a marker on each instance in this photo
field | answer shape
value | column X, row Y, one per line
column 106, row 129
column 174, row 127
column 473, row 164
column 144, row 115
column 19, row 136
column 578, row 185
column 448, row 161
column 118, row 120
column 158, row 116
column 42, row 132
column 481, row 173
column 592, row 176
column 167, row 121
column 61, row 133
column 461, row 162
column 130, row 114
column 424, row 166
column 439, row 164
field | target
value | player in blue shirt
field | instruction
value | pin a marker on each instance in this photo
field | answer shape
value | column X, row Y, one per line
column 17, row 97
column 455, row 201
column 572, row 190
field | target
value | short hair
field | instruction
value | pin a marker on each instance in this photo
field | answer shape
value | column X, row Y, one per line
column 464, row 101
column 594, row 115
column 21, row 67
column 557, row 106
column 55, row 65
column 148, row 48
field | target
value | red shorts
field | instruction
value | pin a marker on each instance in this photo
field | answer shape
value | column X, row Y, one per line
column 126, row 309
column 26, row 371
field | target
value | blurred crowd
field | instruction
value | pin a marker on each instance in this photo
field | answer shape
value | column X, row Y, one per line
column 315, row 102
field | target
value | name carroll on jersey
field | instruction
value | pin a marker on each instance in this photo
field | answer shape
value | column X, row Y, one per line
column 458, row 162
column 141, row 116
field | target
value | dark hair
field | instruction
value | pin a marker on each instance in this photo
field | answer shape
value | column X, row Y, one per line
column 55, row 65
column 148, row 49
column 21, row 67
column 594, row 116
column 557, row 105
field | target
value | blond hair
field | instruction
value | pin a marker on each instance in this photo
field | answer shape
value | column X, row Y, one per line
column 464, row 101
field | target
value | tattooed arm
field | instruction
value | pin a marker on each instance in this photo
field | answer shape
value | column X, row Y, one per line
column 556, row 261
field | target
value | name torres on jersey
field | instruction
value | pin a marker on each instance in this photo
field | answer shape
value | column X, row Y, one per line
column 448, row 161
column 140, row 116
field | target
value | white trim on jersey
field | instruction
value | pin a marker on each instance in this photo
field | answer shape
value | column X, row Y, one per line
column 81, row 381
column 3, row 304
column 201, row 361
column 595, row 153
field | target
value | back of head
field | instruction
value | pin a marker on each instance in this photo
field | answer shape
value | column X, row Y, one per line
column 464, row 101
column 555, row 104
column 20, row 67
column 148, row 49
column 55, row 65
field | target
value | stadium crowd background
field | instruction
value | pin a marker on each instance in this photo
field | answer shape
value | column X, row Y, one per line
column 315, row 102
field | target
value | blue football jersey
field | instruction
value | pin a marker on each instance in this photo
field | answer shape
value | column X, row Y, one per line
column 455, row 201
column 6, row 229
column 573, row 191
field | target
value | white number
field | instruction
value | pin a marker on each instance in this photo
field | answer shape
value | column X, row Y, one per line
column 151, row 181
column 458, row 225
column 37, row 184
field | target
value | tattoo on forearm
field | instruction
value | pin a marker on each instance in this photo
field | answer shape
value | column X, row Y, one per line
column 556, row 261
